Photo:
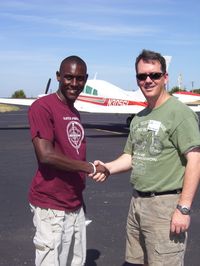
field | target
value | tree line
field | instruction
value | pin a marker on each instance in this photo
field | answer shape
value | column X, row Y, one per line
column 175, row 89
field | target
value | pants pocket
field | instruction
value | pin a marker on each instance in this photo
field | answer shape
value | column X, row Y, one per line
column 47, row 222
column 171, row 252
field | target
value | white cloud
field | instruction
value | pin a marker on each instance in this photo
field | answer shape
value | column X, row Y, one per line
column 89, row 28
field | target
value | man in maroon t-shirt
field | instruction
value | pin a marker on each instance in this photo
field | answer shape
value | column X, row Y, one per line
column 55, row 194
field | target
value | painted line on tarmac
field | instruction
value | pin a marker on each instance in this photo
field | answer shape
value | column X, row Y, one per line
column 110, row 131
column 17, row 126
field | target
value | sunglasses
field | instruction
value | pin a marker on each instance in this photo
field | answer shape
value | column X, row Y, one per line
column 153, row 76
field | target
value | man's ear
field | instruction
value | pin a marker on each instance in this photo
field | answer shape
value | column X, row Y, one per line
column 86, row 78
column 166, row 78
column 58, row 75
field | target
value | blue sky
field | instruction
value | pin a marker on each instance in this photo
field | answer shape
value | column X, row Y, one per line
column 108, row 34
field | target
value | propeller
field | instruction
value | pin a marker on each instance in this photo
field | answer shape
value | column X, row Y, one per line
column 48, row 85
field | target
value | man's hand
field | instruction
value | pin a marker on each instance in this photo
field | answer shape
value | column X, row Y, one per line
column 101, row 172
column 180, row 222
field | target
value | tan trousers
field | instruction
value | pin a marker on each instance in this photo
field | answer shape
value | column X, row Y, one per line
column 148, row 232
column 56, row 233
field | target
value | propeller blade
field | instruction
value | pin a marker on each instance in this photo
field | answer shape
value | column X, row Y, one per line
column 48, row 85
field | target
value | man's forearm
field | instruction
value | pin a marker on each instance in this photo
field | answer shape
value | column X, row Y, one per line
column 121, row 164
column 191, row 178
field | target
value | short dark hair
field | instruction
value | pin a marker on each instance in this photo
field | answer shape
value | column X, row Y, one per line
column 73, row 58
column 148, row 56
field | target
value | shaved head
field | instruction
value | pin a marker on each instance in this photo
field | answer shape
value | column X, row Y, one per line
column 73, row 59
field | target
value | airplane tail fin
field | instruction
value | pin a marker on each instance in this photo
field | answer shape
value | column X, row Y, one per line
column 95, row 76
column 168, row 59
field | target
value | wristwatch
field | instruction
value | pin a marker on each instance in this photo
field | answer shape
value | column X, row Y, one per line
column 183, row 209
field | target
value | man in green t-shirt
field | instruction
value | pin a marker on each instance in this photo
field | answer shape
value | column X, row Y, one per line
column 163, row 151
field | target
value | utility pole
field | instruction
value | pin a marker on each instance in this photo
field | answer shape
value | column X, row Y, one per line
column 180, row 82
column 192, row 85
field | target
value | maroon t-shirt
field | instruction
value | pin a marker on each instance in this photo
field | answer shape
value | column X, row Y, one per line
column 53, row 120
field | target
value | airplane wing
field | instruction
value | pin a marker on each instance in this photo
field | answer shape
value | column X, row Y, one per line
column 12, row 101
column 26, row 101
column 189, row 98
column 91, row 104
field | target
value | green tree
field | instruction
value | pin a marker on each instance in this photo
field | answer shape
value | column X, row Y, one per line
column 175, row 89
column 19, row 94
column 196, row 91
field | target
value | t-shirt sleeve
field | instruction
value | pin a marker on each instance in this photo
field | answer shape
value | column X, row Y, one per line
column 128, row 146
column 186, row 135
column 41, row 122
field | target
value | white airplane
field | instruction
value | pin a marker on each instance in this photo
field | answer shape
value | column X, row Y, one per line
column 100, row 96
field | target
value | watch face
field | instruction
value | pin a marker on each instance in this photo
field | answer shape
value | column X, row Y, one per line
column 183, row 209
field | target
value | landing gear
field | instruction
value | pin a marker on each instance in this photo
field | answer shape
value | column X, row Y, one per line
column 129, row 119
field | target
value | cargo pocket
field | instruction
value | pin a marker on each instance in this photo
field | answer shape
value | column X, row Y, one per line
column 43, row 238
column 169, row 253
column 57, row 226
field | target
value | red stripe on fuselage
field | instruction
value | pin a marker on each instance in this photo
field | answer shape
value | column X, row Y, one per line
column 109, row 101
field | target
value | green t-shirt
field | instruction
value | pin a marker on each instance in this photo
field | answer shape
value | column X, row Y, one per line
column 157, row 141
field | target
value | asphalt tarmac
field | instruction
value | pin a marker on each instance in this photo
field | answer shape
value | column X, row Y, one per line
column 107, row 203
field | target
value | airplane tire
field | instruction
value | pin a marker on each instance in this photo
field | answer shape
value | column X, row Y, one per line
column 128, row 120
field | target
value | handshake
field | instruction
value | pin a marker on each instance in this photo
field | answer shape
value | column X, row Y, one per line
column 100, row 172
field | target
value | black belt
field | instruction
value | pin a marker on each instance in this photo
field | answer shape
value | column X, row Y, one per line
column 152, row 194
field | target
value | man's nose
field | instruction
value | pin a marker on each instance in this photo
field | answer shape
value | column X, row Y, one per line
column 148, row 79
column 74, row 81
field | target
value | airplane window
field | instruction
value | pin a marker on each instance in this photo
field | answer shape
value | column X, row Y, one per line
column 88, row 90
column 95, row 92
